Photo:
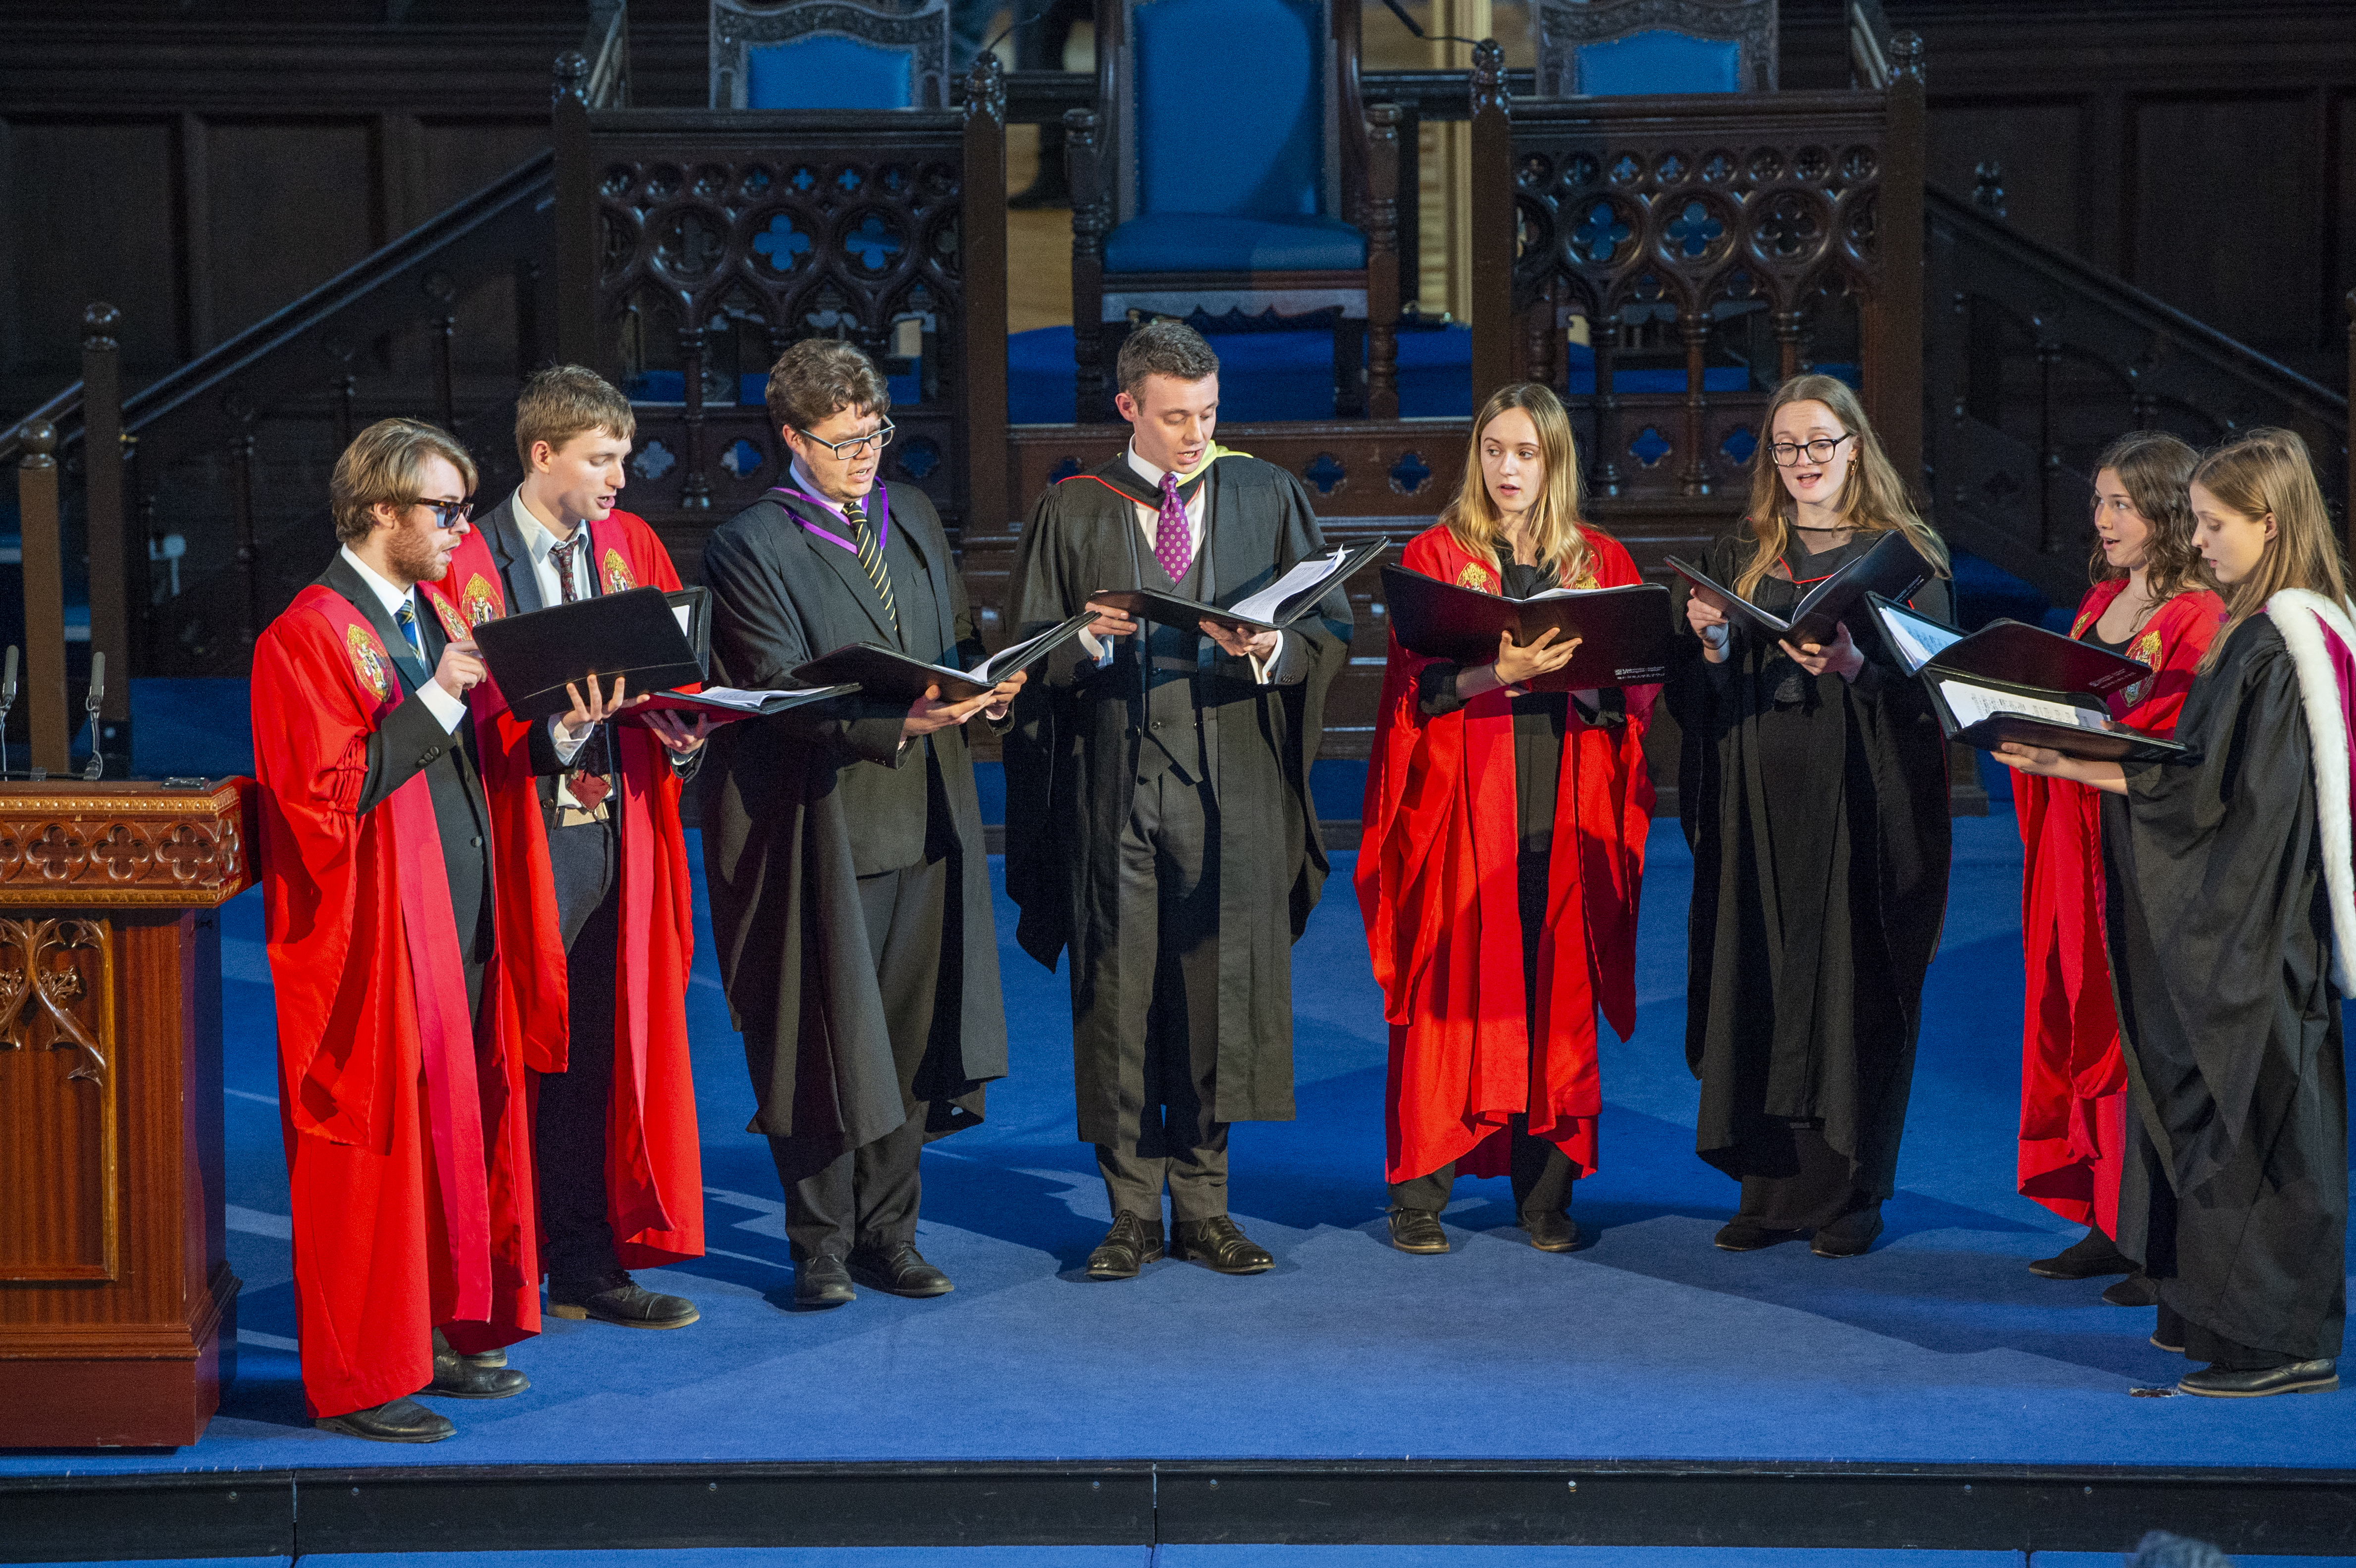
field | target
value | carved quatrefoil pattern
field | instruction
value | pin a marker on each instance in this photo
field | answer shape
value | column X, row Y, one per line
column 1693, row 224
column 122, row 854
column 831, row 240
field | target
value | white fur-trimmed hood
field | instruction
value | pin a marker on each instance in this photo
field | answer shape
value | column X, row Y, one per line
column 2303, row 618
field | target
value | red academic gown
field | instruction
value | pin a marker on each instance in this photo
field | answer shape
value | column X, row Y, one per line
column 2073, row 1081
column 1437, row 886
column 654, row 1172
column 408, row 1156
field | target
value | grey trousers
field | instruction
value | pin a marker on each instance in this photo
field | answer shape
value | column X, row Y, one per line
column 1170, row 908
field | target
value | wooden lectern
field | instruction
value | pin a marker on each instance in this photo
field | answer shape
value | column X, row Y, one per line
column 115, row 1295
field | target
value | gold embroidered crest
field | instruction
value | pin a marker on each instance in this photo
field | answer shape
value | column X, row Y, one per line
column 2144, row 650
column 451, row 627
column 367, row 663
column 618, row 573
column 477, row 602
column 1477, row 576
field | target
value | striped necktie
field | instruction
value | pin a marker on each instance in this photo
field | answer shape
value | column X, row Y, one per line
column 870, row 558
column 589, row 786
column 406, row 616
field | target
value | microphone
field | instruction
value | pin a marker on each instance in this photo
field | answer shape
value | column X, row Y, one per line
column 97, row 681
column 8, row 681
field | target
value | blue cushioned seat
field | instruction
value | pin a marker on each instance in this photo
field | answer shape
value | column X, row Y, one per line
column 1659, row 60
column 826, row 72
column 1217, row 243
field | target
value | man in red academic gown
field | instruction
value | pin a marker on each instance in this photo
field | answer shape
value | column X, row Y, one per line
column 596, row 903
column 400, row 1083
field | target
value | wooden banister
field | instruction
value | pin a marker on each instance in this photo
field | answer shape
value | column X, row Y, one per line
column 44, row 595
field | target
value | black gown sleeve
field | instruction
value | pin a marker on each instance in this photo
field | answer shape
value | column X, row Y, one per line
column 409, row 740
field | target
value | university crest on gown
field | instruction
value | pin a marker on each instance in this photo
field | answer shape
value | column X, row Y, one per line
column 618, row 573
column 477, row 602
column 367, row 662
column 1477, row 576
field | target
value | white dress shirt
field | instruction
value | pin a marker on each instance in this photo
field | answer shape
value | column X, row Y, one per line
column 540, row 541
column 444, row 707
column 1292, row 660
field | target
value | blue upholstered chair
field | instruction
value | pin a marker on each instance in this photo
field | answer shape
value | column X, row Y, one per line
column 828, row 54
column 1230, row 168
column 1613, row 47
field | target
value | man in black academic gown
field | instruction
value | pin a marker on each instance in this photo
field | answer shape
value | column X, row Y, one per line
column 1158, row 781
column 843, row 840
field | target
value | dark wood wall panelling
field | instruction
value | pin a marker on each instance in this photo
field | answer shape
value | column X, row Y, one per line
column 201, row 173
column 2205, row 152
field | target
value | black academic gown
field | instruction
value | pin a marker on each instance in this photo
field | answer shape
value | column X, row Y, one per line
column 1816, row 810
column 2234, row 1196
column 800, row 805
column 1072, row 760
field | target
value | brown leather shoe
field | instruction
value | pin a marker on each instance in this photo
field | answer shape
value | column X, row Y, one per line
column 1131, row 1243
column 1219, row 1243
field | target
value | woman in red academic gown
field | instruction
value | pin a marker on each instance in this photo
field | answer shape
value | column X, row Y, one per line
column 1503, row 844
column 2149, row 602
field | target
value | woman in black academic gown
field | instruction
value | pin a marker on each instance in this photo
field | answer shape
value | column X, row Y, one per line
column 1813, row 787
column 2231, row 931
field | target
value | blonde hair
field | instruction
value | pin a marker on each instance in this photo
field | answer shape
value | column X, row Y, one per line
column 1553, row 523
column 1873, row 500
column 384, row 466
column 2268, row 473
column 2154, row 468
column 564, row 400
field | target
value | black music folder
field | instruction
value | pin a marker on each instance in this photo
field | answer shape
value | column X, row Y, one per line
column 1272, row 608
column 726, row 705
column 1892, row 568
column 1627, row 630
column 892, row 676
column 2013, row 681
column 637, row 634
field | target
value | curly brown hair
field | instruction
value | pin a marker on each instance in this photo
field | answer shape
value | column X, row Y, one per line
column 2154, row 468
column 817, row 378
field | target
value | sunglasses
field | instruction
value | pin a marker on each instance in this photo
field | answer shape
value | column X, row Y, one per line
column 449, row 514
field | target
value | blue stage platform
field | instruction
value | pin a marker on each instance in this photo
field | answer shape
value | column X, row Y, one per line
column 1648, row 1348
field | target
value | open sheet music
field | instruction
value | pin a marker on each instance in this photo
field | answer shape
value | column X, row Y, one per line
column 890, row 675
column 1892, row 568
column 1272, row 608
column 1625, row 632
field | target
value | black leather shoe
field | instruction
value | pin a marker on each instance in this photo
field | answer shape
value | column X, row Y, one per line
column 2299, row 1378
column 1552, row 1230
column 2090, row 1258
column 1418, row 1230
column 617, row 1298
column 2136, row 1289
column 1849, row 1236
column 487, row 1376
column 901, row 1271
column 1744, row 1234
column 822, row 1282
column 1217, row 1242
column 1128, row 1246
column 395, row 1421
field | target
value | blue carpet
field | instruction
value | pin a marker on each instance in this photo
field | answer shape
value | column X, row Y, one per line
column 1649, row 1343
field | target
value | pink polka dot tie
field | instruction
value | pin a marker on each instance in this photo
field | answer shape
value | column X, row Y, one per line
column 1171, row 547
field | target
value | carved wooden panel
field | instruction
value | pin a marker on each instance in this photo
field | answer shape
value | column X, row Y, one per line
column 65, row 844
column 60, row 1169
column 1700, row 241
column 723, row 239
column 288, row 206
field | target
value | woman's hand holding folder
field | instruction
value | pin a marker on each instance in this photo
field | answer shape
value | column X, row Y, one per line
column 1517, row 664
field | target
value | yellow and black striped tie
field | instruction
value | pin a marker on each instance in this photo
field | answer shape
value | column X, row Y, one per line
column 871, row 558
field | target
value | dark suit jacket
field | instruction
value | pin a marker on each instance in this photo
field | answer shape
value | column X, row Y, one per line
column 411, row 741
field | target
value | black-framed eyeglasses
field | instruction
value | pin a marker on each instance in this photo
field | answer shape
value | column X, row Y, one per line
column 1785, row 454
column 877, row 438
column 449, row 514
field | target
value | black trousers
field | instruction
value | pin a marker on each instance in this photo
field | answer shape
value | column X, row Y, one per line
column 1170, row 908
column 865, row 1200
column 569, row 1128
